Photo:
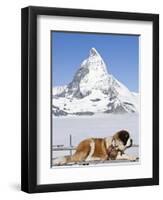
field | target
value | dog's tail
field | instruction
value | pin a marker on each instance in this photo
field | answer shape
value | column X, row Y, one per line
column 63, row 160
column 79, row 154
column 75, row 158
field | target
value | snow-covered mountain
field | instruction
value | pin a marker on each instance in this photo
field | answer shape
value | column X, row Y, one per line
column 93, row 90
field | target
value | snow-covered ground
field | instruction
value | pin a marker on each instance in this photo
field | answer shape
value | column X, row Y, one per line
column 99, row 125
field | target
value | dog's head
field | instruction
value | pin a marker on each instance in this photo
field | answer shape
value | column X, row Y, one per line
column 122, row 140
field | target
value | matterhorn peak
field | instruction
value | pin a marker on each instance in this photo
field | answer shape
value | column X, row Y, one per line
column 95, row 89
column 93, row 52
column 95, row 62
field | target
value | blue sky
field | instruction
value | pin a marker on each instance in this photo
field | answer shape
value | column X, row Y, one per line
column 120, row 53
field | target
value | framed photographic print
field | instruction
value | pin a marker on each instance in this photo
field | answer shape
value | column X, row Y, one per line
column 90, row 99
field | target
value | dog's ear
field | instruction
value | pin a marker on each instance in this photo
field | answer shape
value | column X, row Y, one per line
column 123, row 136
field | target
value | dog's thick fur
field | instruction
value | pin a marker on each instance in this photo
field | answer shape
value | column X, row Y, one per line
column 100, row 149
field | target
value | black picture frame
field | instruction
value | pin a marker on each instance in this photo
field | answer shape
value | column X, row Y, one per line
column 29, row 98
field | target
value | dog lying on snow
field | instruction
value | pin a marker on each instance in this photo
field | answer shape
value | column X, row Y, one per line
column 92, row 149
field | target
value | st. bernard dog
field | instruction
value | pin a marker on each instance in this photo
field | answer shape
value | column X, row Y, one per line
column 91, row 149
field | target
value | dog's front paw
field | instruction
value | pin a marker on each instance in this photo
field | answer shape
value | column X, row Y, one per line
column 133, row 158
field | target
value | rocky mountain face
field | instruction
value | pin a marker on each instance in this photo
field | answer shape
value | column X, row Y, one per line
column 93, row 90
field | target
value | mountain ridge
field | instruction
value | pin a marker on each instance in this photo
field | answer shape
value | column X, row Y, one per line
column 93, row 90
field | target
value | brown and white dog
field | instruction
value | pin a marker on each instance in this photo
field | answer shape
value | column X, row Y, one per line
column 110, row 148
